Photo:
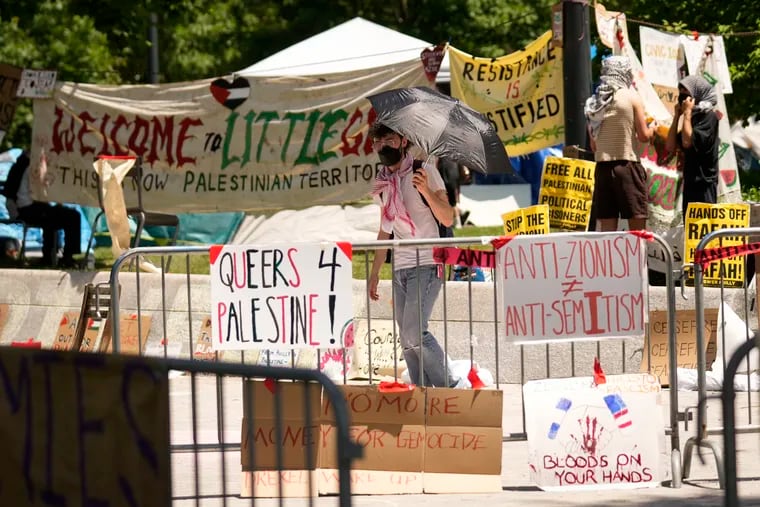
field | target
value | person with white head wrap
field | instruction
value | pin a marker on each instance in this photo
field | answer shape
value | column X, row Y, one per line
column 616, row 119
column 697, row 142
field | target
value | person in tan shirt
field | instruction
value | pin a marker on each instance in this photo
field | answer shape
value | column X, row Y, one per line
column 616, row 121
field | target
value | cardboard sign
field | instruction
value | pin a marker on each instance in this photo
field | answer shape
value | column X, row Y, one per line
column 281, row 296
column 376, row 350
column 203, row 348
column 701, row 219
column 102, row 437
column 94, row 331
column 567, row 187
column 4, row 312
column 298, row 435
column 129, row 327
column 572, row 287
column 391, row 429
column 686, row 337
column 9, row 81
column 581, row 436
column 64, row 338
column 37, row 84
column 531, row 220
column 463, row 440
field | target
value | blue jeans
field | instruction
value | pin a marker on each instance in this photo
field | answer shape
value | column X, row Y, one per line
column 414, row 293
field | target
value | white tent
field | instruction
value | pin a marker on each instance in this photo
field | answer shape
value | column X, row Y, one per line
column 353, row 45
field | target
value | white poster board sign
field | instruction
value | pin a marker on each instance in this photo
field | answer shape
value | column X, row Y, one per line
column 36, row 84
column 582, row 436
column 659, row 56
column 572, row 287
column 281, row 296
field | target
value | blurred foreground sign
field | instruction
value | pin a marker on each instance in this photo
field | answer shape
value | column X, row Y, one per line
column 83, row 429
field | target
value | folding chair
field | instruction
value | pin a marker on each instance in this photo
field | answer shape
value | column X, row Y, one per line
column 139, row 213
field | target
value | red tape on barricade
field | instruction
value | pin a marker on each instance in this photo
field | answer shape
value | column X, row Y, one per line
column 643, row 235
column 467, row 257
column 708, row 255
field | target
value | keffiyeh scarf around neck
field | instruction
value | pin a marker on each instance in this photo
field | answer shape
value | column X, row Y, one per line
column 616, row 74
column 387, row 189
column 705, row 98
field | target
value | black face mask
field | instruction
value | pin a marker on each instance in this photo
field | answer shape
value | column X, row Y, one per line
column 389, row 156
column 682, row 97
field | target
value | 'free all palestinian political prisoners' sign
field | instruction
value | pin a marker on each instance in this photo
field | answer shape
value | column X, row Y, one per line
column 281, row 296
column 246, row 144
column 572, row 287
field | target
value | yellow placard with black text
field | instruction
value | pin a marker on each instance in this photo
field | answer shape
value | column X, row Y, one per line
column 700, row 220
column 567, row 187
column 530, row 220
column 521, row 93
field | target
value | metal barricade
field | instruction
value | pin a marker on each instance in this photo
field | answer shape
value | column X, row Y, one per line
column 465, row 320
column 143, row 420
column 703, row 258
column 729, row 421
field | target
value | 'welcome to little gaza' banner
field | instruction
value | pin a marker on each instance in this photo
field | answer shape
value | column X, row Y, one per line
column 521, row 94
column 248, row 144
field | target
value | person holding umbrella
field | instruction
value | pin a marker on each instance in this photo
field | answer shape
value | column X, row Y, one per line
column 400, row 188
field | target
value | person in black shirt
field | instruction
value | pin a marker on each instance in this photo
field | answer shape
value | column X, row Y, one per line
column 697, row 142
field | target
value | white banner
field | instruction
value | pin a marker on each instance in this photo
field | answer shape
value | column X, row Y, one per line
column 242, row 144
column 572, row 287
column 659, row 56
column 281, row 296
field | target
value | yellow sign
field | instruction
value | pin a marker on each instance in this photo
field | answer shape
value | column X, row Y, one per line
column 567, row 187
column 521, row 94
column 702, row 219
column 530, row 220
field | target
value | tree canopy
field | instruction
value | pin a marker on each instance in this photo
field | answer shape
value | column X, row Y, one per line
column 107, row 41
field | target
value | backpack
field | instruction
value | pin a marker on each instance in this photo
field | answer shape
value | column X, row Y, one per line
column 444, row 231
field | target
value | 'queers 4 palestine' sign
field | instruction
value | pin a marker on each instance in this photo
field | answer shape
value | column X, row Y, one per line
column 248, row 144
column 521, row 94
column 281, row 296
column 572, row 287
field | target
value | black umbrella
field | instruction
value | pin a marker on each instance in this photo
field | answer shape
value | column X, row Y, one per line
column 444, row 127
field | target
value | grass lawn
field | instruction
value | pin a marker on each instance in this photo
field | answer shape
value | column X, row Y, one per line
column 199, row 264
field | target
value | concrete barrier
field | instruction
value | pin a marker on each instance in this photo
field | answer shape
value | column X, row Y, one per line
column 37, row 300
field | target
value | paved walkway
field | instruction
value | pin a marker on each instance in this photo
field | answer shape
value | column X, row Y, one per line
column 701, row 489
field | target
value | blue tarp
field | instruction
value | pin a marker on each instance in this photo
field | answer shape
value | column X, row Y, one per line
column 528, row 167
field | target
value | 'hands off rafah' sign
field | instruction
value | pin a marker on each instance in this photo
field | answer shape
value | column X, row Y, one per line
column 572, row 287
column 280, row 296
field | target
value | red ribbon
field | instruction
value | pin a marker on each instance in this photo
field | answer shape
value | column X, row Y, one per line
column 394, row 387
column 474, row 379
column 270, row 384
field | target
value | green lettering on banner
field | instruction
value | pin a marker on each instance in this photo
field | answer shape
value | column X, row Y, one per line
column 329, row 119
column 303, row 157
column 83, row 429
column 267, row 116
column 293, row 118
column 226, row 159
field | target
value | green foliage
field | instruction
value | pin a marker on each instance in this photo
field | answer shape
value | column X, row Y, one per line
column 750, row 182
column 107, row 41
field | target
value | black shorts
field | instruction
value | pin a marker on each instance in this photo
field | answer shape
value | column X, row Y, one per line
column 621, row 190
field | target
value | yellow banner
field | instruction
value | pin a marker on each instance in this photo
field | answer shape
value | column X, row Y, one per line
column 567, row 187
column 521, row 94
column 702, row 219
column 530, row 220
